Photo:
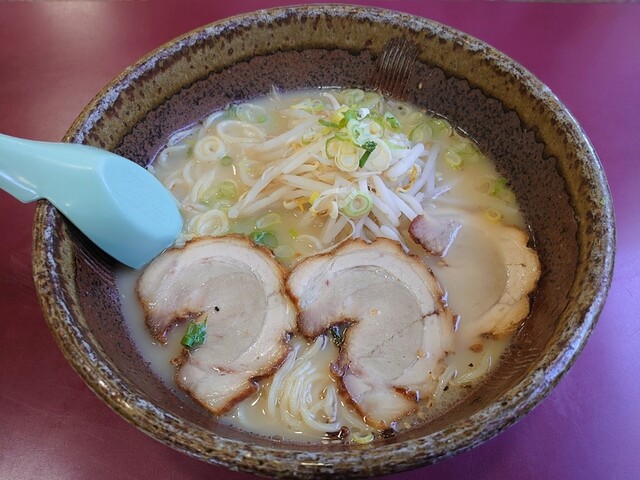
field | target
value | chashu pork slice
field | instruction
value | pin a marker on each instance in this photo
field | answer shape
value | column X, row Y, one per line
column 498, row 270
column 435, row 234
column 399, row 328
column 239, row 288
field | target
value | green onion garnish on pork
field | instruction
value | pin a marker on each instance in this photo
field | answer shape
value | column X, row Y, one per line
column 196, row 334
column 262, row 237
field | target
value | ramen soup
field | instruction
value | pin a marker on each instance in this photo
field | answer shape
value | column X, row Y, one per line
column 349, row 266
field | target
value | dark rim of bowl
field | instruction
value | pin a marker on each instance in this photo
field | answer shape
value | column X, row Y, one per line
column 134, row 407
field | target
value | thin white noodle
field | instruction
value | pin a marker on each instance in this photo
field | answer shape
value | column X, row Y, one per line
column 475, row 373
column 164, row 154
column 201, row 185
column 250, row 133
column 189, row 172
column 212, row 222
column 311, row 240
column 211, row 118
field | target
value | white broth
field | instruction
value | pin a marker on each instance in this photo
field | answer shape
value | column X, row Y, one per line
column 217, row 170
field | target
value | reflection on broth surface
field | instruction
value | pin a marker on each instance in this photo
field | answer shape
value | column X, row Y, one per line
column 300, row 173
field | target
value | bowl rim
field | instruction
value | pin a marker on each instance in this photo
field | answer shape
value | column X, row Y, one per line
column 179, row 433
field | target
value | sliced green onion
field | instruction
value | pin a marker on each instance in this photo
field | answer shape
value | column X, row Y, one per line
column 347, row 116
column 368, row 146
column 353, row 96
column 327, row 123
column 248, row 112
column 441, row 128
column 230, row 111
column 361, row 438
column 421, row 133
column 262, row 237
column 347, row 158
column 268, row 220
column 493, row 215
column 226, row 161
column 431, row 128
column 224, row 190
column 294, row 233
column 283, row 251
column 498, row 188
column 357, row 204
column 332, row 148
column 342, row 136
column 391, row 120
column 357, row 132
column 467, row 150
column 371, row 100
column 309, row 106
column 224, row 205
column 453, row 160
column 196, row 334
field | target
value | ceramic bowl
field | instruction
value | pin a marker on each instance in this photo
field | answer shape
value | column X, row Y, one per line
column 530, row 135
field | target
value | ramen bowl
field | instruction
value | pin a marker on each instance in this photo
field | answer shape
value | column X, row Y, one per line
column 514, row 118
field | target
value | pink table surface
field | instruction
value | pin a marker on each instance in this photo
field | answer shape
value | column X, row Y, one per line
column 55, row 56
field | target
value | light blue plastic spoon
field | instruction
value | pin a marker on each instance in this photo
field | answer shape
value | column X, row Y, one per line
column 117, row 203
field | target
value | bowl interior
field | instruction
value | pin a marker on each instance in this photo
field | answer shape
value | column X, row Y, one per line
column 532, row 139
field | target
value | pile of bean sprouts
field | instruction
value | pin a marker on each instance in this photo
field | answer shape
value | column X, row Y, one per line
column 314, row 164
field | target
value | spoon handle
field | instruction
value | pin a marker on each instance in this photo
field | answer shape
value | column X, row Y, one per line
column 30, row 169
column 19, row 164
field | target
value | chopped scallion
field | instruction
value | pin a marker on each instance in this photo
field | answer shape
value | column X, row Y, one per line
column 357, row 204
column 361, row 438
column 226, row 161
column 354, row 96
column 369, row 146
column 268, row 220
column 224, row 190
column 196, row 334
column 248, row 112
column 391, row 120
column 421, row 133
column 497, row 186
column 453, row 160
column 262, row 237
column 493, row 215
column 327, row 123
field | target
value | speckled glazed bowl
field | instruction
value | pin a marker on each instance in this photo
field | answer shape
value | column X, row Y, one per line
column 512, row 116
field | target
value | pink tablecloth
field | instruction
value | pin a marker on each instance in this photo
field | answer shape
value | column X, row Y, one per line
column 55, row 56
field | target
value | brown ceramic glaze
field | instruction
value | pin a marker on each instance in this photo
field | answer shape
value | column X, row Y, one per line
column 512, row 116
